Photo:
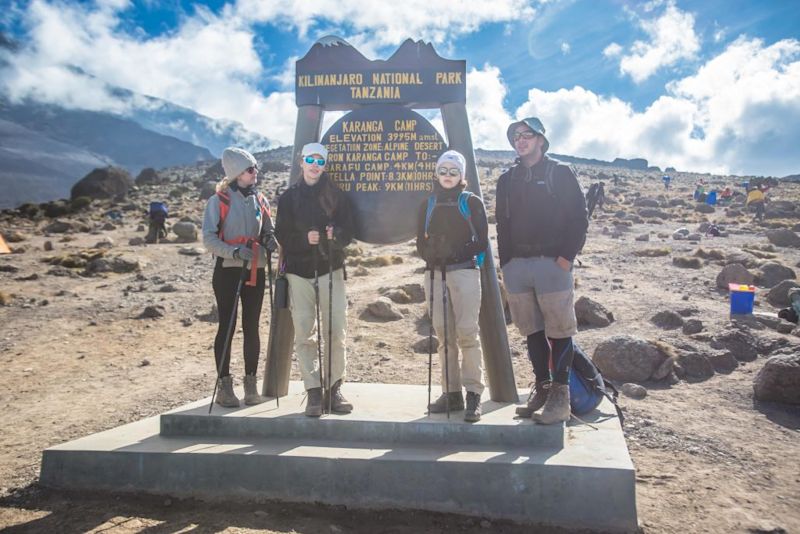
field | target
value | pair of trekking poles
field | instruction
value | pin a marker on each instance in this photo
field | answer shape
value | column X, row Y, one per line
column 322, row 383
column 229, row 334
column 430, row 342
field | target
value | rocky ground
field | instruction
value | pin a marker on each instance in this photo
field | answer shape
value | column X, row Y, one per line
column 99, row 330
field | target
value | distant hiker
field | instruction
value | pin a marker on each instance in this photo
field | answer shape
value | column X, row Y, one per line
column 452, row 231
column 314, row 225
column 726, row 195
column 157, row 216
column 235, row 217
column 595, row 197
column 700, row 192
column 541, row 227
column 666, row 179
column 756, row 201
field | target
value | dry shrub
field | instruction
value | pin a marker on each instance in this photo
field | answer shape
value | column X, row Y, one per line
column 5, row 298
column 377, row 261
column 652, row 252
column 687, row 262
column 77, row 260
column 710, row 254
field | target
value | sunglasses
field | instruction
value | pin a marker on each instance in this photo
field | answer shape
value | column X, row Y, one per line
column 523, row 135
column 311, row 160
column 444, row 171
column 252, row 170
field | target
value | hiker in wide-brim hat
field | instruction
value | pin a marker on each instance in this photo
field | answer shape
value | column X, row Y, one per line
column 541, row 226
column 237, row 228
column 453, row 234
column 313, row 226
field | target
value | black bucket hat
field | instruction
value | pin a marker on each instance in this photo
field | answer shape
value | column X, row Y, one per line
column 534, row 124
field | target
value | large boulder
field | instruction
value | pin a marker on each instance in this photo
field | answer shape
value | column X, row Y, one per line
column 696, row 366
column 779, row 380
column 773, row 273
column 738, row 341
column 667, row 319
column 783, row 237
column 148, row 176
column 653, row 213
column 186, row 231
column 108, row 182
column 779, row 295
column 704, row 208
column 591, row 313
column 383, row 308
column 734, row 273
column 627, row 358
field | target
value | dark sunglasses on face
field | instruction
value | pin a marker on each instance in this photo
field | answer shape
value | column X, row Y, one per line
column 252, row 170
column 523, row 135
column 311, row 160
column 444, row 171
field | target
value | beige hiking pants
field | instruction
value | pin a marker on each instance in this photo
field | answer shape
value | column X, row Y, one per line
column 463, row 308
column 302, row 305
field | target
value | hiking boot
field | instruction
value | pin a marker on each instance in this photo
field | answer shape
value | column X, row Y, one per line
column 314, row 402
column 440, row 405
column 536, row 399
column 338, row 403
column 556, row 408
column 473, row 411
column 251, row 395
column 225, row 395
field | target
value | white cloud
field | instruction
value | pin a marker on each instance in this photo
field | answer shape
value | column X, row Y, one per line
column 671, row 39
column 612, row 50
column 488, row 119
column 565, row 48
column 739, row 113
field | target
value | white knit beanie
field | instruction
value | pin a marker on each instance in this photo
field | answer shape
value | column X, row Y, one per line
column 451, row 156
column 235, row 161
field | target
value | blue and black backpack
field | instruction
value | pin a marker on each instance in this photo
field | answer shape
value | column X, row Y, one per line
column 463, row 209
column 587, row 387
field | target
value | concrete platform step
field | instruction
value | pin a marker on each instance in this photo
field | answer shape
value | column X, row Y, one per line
column 376, row 418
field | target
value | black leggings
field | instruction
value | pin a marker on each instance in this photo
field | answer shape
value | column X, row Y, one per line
column 539, row 354
column 224, row 283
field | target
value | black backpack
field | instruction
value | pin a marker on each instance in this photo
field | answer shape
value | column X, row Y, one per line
column 587, row 387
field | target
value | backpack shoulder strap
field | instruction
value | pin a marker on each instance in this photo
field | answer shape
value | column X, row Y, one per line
column 550, row 169
column 262, row 202
column 224, row 208
column 429, row 212
column 463, row 208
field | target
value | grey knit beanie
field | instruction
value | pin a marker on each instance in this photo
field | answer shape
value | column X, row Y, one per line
column 235, row 161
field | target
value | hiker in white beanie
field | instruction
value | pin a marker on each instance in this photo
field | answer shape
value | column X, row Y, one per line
column 452, row 236
column 237, row 230
column 313, row 226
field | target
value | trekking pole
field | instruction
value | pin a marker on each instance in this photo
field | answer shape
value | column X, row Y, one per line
column 446, row 355
column 330, row 324
column 229, row 334
column 319, row 326
column 272, row 310
column 430, row 345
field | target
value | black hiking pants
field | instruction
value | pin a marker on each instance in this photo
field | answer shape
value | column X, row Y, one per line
column 224, row 282
column 539, row 351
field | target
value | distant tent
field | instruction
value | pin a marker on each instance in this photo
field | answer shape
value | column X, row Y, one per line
column 3, row 246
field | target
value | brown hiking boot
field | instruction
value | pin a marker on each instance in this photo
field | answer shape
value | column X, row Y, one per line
column 536, row 399
column 440, row 404
column 314, row 402
column 556, row 408
column 251, row 395
column 225, row 395
column 473, row 412
column 338, row 403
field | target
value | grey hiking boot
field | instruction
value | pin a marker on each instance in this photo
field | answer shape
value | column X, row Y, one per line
column 314, row 402
column 556, row 409
column 225, row 395
column 536, row 399
column 473, row 411
column 440, row 404
column 251, row 395
column 338, row 403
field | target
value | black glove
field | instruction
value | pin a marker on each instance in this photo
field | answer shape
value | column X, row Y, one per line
column 268, row 241
column 242, row 253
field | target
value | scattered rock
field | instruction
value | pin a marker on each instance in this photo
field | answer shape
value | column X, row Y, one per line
column 694, row 237
column 186, row 231
column 106, row 242
column 117, row 264
column 634, row 391
column 48, row 246
column 779, row 295
column 779, row 380
column 643, row 237
column 152, row 312
column 723, row 361
column 422, row 346
column 773, row 273
column 167, row 288
column 653, row 213
column 692, row 326
column 627, row 358
column 783, row 237
column 208, row 190
column 191, row 251
column 14, row 236
column 109, row 226
column 704, row 208
column 667, row 319
column 687, row 262
column 144, row 363
column 61, row 227
column 6, row 268
column 147, row 176
column 210, row 317
column 739, row 342
column 361, row 271
column 696, row 366
column 384, row 309
column 109, row 182
column 398, row 296
column 136, row 241
column 592, row 313
column 734, row 273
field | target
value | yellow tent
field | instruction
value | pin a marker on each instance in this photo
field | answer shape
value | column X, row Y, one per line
column 3, row 247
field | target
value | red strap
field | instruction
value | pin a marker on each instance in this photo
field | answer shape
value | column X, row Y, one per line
column 224, row 208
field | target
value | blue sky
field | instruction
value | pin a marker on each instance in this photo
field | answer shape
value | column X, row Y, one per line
column 709, row 86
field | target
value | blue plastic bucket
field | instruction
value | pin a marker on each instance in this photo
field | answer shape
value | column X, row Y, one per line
column 742, row 297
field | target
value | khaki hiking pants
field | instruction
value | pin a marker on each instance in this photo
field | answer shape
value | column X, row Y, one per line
column 302, row 305
column 463, row 308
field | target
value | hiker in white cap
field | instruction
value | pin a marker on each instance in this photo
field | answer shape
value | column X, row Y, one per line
column 452, row 237
column 236, row 229
column 313, row 226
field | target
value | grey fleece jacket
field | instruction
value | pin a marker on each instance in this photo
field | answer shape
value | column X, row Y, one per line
column 244, row 219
